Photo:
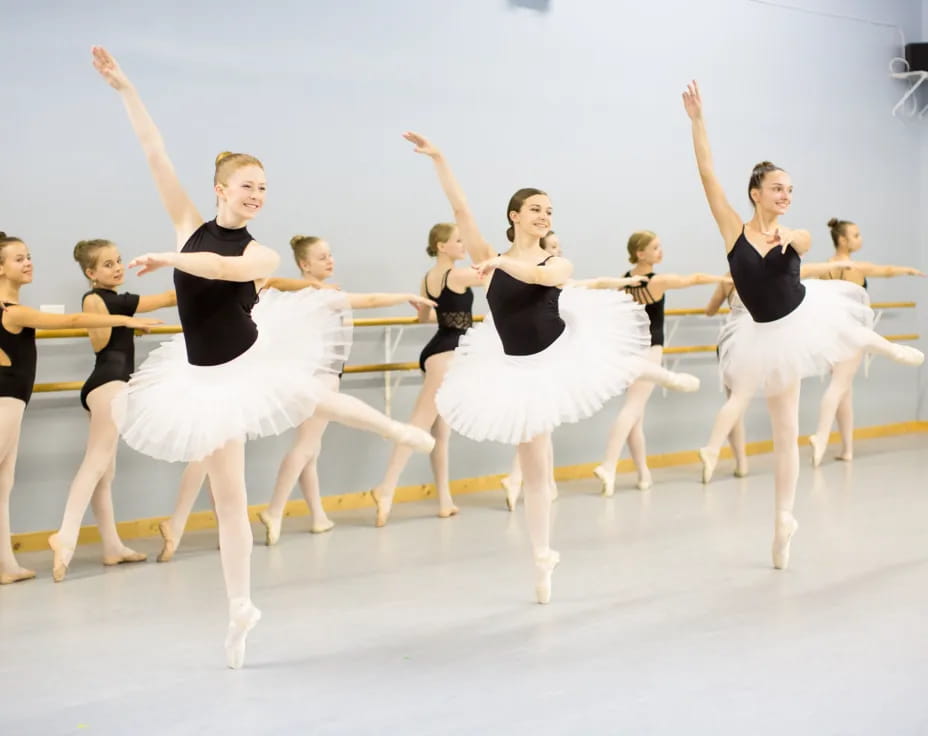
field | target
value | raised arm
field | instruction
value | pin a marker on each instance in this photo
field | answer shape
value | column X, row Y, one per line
column 19, row 316
column 555, row 272
column 151, row 302
column 478, row 248
column 726, row 218
column 180, row 208
column 257, row 262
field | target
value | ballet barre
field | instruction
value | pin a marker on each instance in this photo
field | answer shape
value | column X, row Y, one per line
column 410, row 321
column 394, row 328
column 395, row 367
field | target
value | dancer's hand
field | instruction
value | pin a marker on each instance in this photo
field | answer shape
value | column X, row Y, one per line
column 416, row 301
column 142, row 324
column 781, row 236
column 104, row 63
column 907, row 271
column 487, row 267
column 152, row 262
column 422, row 144
column 692, row 101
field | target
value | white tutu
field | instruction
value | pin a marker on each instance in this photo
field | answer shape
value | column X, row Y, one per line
column 833, row 323
column 488, row 395
column 175, row 411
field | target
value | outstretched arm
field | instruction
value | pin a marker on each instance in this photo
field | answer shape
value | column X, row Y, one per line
column 151, row 302
column 555, row 272
column 820, row 270
column 257, row 262
column 19, row 316
column 478, row 248
column 883, row 271
column 726, row 218
column 180, row 208
column 609, row 282
column 665, row 281
column 285, row 284
column 377, row 300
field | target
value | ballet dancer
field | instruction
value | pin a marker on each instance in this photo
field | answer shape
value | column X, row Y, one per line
column 18, row 324
column 516, row 376
column 240, row 369
column 838, row 399
column 789, row 329
column 101, row 263
column 645, row 251
column 450, row 286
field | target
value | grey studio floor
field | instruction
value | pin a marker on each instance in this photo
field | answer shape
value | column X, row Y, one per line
column 667, row 619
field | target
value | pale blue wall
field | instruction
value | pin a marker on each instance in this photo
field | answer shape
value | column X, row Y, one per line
column 583, row 102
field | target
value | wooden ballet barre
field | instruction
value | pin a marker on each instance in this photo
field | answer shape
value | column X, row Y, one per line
column 41, row 388
column 403, row 321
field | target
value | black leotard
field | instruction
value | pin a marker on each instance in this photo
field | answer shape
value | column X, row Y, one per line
column 526, row 315
column 453, row 313
column 768, row 284
column 18, row 378
column 116, row 360
column 216, row 315
column 653, row 307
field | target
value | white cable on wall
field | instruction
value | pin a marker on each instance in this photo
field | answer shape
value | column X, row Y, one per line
column 898, row 66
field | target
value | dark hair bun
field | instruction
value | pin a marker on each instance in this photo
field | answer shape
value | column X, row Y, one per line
column 833, row 222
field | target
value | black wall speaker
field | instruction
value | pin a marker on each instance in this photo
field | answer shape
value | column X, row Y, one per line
column 917, row 56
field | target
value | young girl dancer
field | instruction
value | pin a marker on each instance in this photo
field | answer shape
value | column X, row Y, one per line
column 314, row 259
column 239, row 369
column 644, row 252
column 517, row 376
column 450, row 287
column 102, row 265
column 838, row 400
column 788, row 330
column 17, row 376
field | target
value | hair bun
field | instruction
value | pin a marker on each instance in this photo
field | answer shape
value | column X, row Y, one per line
column 833, row 222
column 223, row 156
column 296, row 240
column 2, row 234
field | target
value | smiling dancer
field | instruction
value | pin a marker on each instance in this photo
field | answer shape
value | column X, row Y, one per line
column 789, row 330
column 18, row 324
column 241, row 368
column 515, row 377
